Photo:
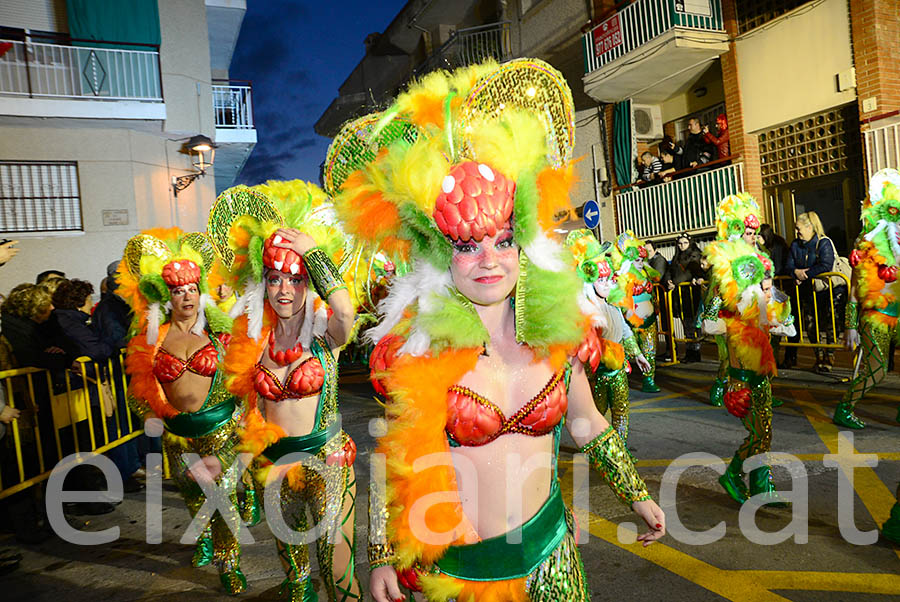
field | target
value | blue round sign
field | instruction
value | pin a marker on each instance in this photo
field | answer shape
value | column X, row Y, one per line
column 591, row 214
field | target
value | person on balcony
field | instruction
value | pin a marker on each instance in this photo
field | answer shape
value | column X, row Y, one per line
column 175, row 379
column 697, row 151
column 871, row 318
column 649, row 169
column 812, row 253
column 684, row 269
column 746, row 313
column 606, row 362
column 720, row 140
column 639, row 303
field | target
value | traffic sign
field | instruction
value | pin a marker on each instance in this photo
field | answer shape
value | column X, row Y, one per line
column 591, row 214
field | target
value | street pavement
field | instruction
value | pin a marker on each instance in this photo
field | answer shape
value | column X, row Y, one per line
column 815, row 563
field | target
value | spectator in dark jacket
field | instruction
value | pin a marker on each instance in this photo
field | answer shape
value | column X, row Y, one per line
column 776, row 247
column 685, row 269
column 812, row 253
column 112, row 315
column 658, row 262
column 26, row 307
column 697, row 151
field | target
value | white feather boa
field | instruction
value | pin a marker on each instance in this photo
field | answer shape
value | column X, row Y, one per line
column 545, row 253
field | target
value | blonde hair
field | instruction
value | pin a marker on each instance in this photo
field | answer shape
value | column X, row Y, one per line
column 27, row 301
column 811, row 219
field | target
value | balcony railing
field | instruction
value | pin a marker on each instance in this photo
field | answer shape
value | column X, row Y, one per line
column 470, row 46
column 687, row 204
column 642, row 21
column 49, row 70
column 883, row 148
column 232, row 104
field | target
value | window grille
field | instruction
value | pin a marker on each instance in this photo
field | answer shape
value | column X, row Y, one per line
column 754, row 13
column 39, row 196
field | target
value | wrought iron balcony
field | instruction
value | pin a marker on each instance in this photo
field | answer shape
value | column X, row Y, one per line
column 469, row 46
column 232, row 103
column 882, row 147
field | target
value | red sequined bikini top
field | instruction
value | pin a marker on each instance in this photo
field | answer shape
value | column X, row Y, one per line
column 168, row 367
column 473, row 420
column 304, row 380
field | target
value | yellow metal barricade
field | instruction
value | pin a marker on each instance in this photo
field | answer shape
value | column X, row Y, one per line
column 77, row 424
column 819, row 326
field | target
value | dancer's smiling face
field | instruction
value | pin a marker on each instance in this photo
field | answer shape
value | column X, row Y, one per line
column 286, row 292
column 185, row 301
column 486, row 271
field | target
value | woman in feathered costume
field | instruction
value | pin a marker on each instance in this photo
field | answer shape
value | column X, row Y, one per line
column 871, row 317
column 638, row 302
column 476, row 339
column 173, row 364
column 746, row 313
column 295, row 314
column 611, row 343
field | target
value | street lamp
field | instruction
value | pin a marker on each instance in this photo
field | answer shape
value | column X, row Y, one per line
column 203, row 154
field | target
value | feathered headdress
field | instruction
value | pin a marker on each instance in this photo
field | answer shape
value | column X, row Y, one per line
column 158, row 259
column 460, row 156
column 244, row 221
column 735, row 213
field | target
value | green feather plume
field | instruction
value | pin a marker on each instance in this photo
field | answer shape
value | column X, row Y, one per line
column 525, row 208
column 154, row 288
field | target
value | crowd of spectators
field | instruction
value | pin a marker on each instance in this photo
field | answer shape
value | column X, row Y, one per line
column 49, row 324
column 700, row 147
column 818, row 307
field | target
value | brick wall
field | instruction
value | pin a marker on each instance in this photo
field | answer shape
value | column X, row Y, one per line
column 742, row 144
column 875, row 27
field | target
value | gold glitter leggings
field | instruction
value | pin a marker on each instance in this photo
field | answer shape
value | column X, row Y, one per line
column 561, row 575
column 758, row 422
column 611, row 391
column 722, row 350
column 871, row 362
column 221, row 442
column 646, row 339
column 336, row 547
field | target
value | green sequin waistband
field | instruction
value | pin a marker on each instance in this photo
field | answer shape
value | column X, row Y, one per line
column 203, row 422
column 747, row 376
column 892, row 310
column 496, row 559
column 307, row 444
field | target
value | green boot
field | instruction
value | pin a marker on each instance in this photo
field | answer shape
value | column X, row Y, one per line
column 649, row 385
column 203, row 552
column 717, row 392
column 233, row 581
column 761, row 484
column 844, row 416
column 299, row 591
column 777, row 403
column 891, row 527
column 733, row 481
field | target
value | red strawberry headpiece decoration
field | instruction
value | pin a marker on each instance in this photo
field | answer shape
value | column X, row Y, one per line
column 281, row 258
column 179, row 273
column 475, row 201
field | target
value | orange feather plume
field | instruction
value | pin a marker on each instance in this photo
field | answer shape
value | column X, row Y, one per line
column 241, row 357
column 554, row 186
column 442, row 588
column 139, row 365
column 257, row 434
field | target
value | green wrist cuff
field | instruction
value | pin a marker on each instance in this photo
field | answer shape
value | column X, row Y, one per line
column 608, row 455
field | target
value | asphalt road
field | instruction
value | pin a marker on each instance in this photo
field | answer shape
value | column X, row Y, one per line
column 813, row 562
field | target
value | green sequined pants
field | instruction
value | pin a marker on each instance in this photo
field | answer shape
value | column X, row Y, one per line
column 722, row 350
column 871, row 361
column 221, row 442
column 758, row 422
column 610, row 390
column 310, row 501
column 647, row 339
column 561, row 575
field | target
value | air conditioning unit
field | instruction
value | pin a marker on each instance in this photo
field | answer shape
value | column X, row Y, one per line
column 648, row 124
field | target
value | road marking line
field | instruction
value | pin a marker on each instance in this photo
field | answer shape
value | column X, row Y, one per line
column 869, row 583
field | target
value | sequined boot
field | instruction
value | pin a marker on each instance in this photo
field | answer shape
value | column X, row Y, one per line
column 250, row 508
column 733, row 480
column 231, row 576
column 649, row 385
column 844, row 416
column 761, row 484
column 203, row 552
column 717, row 392
column 299, row 591
column 891, row 527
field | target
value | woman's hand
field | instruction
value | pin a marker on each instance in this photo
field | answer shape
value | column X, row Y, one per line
column 642, row 363
column 206, row 470
column 384, row 585
column 8, row 414
column 670, row 284
column 7, row 251
column 655, row 519
column 851, row 338
column 294, row 239
column 800, row 274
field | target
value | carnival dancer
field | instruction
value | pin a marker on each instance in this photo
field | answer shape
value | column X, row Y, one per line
column 476, row 338
column 741, row 278
column 608, row 366
column 638, row 302
column 871, row 317
column 283, row 362
column 173, row 365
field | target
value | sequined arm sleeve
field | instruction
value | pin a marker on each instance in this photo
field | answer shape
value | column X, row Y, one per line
column 711, row 311
column 381, row 552
column 631, row 347
column 851, row 317
column 138, row 407
column 608, row 455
